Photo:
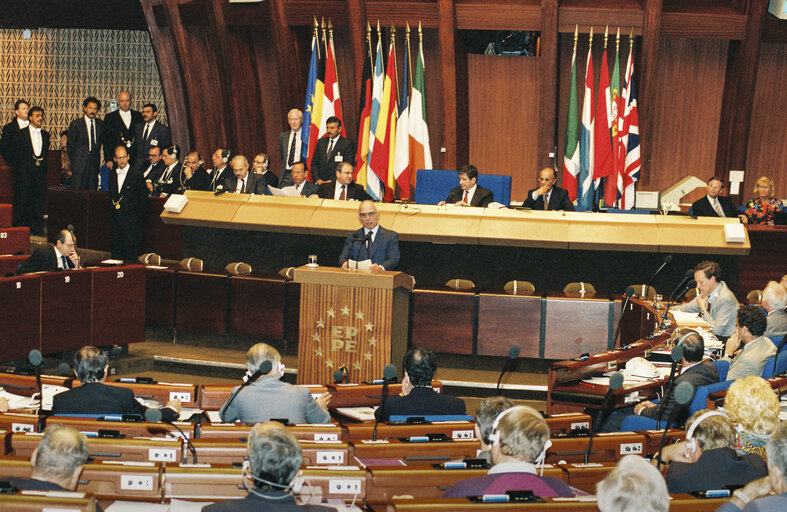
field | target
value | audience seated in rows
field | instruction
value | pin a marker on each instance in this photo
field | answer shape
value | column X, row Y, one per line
column 774, row 300
column 488, row 410
column 753, row 407
column 633, row 485
column 756, row 350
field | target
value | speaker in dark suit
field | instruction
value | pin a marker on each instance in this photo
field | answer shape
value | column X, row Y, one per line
column 62, row 256
column 372, row 241
column 150, row 132
column 128, row 197
column 330, row 151
column 476, row 194
column 30, row 166
column 84, row 143
column 290, row 147
column 252, row 183
column 259, row 167
column 557, row 197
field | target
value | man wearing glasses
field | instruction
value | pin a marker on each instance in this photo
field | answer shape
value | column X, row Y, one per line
column 714, row 205
column 371, row 242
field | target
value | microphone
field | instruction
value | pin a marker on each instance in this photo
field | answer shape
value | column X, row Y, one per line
column 688, row 275
column 389, row 372
column 265, row 367
column 684, row 392
column 63, row 368
column 629, row 293
column 36, row 359
column 666, row 262
column 153, row 415
column 676, row 356
column 342, row 374
column 355, row 239
column 220, row 190
column 70, row 227
column 366, row 240
column 615, row 382
column 513, row 354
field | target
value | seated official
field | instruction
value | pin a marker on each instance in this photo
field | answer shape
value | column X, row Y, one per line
column 91, row 366
column 259, row 166
column 220, row 170
column 519, row 441
column 62, row 256
column 548, row 196
column 170, row 180
column 707, row 459
column 768, row 494
column 263, row 396
column 751, row 359
column 302, row 186
column 774, row 300
column 469, row 193
column 754, row 408
column 693, row 370
column 764, row 208
column 634, row 485
column 488, row 410
column 715, row 303
column 194, row 176
column 242, row 181
column 418, row 397
column 152, row 167
column 274, row 460
column 372, row 241
column 714, row 205
column 342, row 188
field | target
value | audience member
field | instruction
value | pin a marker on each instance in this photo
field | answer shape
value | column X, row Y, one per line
column 342, row 187
column 194, row 176
column 11, row 131
column 634, row 485
column 260, row 167
column 150, row 132
column 468, row 193
column 774, row 300
column 263, row 396
column 61, row 256
column 302, row 186
column 371, row 242
column 753, row 406
column 30, row 163
column 128, row 208
column 154, row 169
column 243, row 182
column 520, row 439
column 84, row 142
column 290, row 147
column 170, row 180
column 707, row 459
column 119, row 130
column 65, row 163
column 764, row 208
column 488, row 410
column 331, row 150
column 221, row 170
column 548, row 196
column 714, row 205
column 751, row 359
column 715, row 302
column 418, row 397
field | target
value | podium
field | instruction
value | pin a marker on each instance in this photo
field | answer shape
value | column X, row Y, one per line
column 352, row 318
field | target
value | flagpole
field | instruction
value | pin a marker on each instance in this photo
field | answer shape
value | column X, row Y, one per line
column 316, row 35
column 369, row 44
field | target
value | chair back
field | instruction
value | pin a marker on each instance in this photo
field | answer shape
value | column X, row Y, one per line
column 287, row 273
column 768, row 369
column 580, row 287
column 722, row 367
column 519, row 288
column 150, row 258
column 434, row 185
column 754, row 297
column 463, row 285
column 691, row 294
column 701, row 395
column 238, row 268
column 644, row 291
column 191, row 264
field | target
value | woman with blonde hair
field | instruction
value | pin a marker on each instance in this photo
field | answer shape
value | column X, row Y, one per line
column 764, row 208
column 753, row 406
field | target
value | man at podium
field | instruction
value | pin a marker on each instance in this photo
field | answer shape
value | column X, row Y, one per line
column 371, row 242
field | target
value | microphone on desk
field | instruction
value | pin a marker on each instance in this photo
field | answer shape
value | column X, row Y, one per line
column 220, row 190
column 615, row 382
column 36, row 359
column 684, row 392
column 389, row 372
column 670, row 302
column 355, row 239
column 153, row 415
column 676, row 356
column 64, row 368
column 341, row 375
column 265, row 367
column 666, row 262
column 513, row 354
column 629, row 293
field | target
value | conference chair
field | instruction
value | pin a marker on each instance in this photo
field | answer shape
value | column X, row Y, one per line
column 644, row 291
column 690, row 295
column 150, row 258
column 461, row 285
column 433, row 186
column 191, row 264
column 580, row 287
column 519, row 288
column 238, row 268
column 287, row 273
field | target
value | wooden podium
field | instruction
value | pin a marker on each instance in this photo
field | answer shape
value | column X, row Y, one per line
column 352, row 318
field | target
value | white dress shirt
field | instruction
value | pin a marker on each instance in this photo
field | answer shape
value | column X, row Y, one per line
column 297, row 156
column 470, row 194
column 23, row 123
column 122, row 173
column 126, row 117
column 337, row 192
column 35, row 138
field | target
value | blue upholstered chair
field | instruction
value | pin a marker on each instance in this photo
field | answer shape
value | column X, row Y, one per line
column 431, row 417
column 434, row 185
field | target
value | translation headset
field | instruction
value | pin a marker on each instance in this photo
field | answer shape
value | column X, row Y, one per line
column 247, row 474
column 494, row 436
column 691, row 442
column 225, row 155
column 264, row 368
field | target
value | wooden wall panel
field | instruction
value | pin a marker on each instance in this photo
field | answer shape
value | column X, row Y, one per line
column 502, row 143
column 685, row 102
column 767, row 134
column 270, row 99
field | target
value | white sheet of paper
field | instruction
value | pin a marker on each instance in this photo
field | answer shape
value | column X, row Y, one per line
column 50, row 391
column 214, row 416
column 360, row 265
column 684, row 318
column 358, row 413
column 188, row 412
column 290, row 191
column 136, row 506
column 17, row 401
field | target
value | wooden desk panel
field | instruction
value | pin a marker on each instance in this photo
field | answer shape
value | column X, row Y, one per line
column 118, row 314
column 65, row 310
column 229, row 451
column 452, row 430
column 201, row 302
column 337, row 218
column 160, row 297
column 526, row 228
column 612, row 232
column 15, row 240
column 207, row 209
column 160, row 392
column 213, row 396
column 277, row 214
column 574, row 326
column 240, row 432
column 446, row 224
column 20, row 316
column 98, row 220
column 90, row 426
column 66, row 206
column 416, row 453
column 131, row 449
column 443, row 321
column 606, row 447
column 257, row 307
column 165, row 240
column 365, row 395
column 25, row 385
column 505, row 320
column 385, row 482
column 686, row 235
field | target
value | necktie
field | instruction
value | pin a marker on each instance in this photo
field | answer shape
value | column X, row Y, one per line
column 717, row 207
column 291, row 158
column 242, row 184
column 342, row 196
column 65, row 262
column 92, row 135
column 546, row 202
column 145, row 135
column 330, row 147
column 465, row 198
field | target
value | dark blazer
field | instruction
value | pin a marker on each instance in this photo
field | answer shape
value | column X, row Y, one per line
column 127, row 211
column 216, row 180
column 285, row 177
column 715, row 469
column 9, row 142
column 309, row 189
column 482, row 196
column 324, row 165
column 172, row 184
column 159, row 136
column 269, row 178
column 30, row 185
column 700, row 374
column 271, row 501
column 255, row 184
column 116, row 134
column 154, row 173
column 354, row 191
column 384, row 252
column 558, row 200
column 703, row 208
column 420, row 401
column 99, row 398
column 200, row 180
column 43, row 259
column 84, row 163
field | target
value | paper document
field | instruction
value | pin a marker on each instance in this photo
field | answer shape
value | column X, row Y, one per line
column 187, row 412
column 290, row 191
column 360, row 265
column 50, row 391
column 17, row 401
column 214, row 416
column 689, row 319
column 358, row 413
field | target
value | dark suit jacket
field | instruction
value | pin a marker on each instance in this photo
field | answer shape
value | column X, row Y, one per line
column 116, row 134
column 700, row 374
column 154, row 173
column 24, row 159
column 354, row 191
column 43, row 259
column 482, row 196
column 385, row 249
column 159, row 134
column 558, row 200
column 215, row 180
column 269, row 501
column 323, row 165
column 200, row 180
column 9, row 142
column 309, row 189
column 172, row 184
column 255, row 184
column 133, row 200
column 285, row 177
column 82, row 160
column 703, row 208
column 99, row 398
column 269, row 178
column 715, row 469
column 420, row 401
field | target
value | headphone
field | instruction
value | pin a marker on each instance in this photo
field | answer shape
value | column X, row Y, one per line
column 494, row 436
column 691, row 443
column 174, row 151
column 200, row 158
column 225, row 155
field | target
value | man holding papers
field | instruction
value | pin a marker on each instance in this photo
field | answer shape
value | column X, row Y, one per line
column 371, row 242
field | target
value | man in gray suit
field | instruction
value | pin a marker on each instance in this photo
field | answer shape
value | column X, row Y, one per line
column 84, row 143
column 756, row 347
column 715, row 303
column 263, row 396
column 290, row 146
column 774, row 299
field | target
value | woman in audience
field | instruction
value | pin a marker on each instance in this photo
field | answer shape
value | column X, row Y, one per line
column 764, row 209
column 633, row 485
column 753, row 407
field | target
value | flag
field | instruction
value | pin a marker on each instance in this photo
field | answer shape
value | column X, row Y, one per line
column 332, row 103
column 571, row 156
column 630, row 134
column 309, row 107
column 420, row 153
column 585, row 194
column 374, row 185
column 382, row 158
column 602, row 143
column 365, row 108
column 402, row 150
column 613, row 186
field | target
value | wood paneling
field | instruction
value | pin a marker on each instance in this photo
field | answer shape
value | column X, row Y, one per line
column 498, row 15
column 502, row 143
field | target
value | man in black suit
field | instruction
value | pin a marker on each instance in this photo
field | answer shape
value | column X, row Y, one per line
column 119, row 130
column 714, row 205
column 371, row 242
column 84, row 142
column 418, row 397
column 128, row 197
column 304, row 187
column 194, row 176
column 30, row 177
column 221, row 169
column 154, row 168
column 290, row 146
column 91, row 367
column 331, row 150
column 242, row 181
column 170, row 180
column 260, row 167
column 468, row 193
column 150, row 132
column 62, row 256
column 548, row 196
column 9, row 138
column 343, row 188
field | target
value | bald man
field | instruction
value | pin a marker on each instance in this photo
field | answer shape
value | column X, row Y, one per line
column 548, row 196
column 119, row 130
column 372, row 241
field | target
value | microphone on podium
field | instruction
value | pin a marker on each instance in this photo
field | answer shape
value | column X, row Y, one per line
column 513, row 354
column 684, row 393
column 389, row 372
column 341, row 375
column 615, row 382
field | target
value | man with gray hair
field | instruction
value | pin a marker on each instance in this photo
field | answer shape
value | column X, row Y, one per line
column 290, row 147
column 485, row 416
column 263, row 396
column 774, row 299
column 633, row 485
column 57, row 461
column 274, row 459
